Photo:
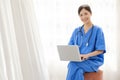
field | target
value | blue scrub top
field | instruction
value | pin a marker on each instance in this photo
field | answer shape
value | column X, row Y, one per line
column 95, row 41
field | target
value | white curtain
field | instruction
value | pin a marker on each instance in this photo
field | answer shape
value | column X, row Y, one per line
column 21, row 55
column 118, row 37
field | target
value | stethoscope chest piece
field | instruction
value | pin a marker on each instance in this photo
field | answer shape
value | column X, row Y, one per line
column 87, row 44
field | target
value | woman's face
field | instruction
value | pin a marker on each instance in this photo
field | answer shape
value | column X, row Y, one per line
column 85, row 16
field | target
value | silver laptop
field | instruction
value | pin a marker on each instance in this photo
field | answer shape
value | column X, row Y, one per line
column 69, row 52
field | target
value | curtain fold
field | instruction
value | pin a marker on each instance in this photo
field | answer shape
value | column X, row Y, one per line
column 118, row 36
column 20, row 47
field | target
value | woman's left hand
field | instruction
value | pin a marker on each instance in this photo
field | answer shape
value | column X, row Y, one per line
column 84, row 56
column 94, row 53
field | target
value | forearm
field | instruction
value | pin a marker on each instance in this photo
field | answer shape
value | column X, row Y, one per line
column 94, row 53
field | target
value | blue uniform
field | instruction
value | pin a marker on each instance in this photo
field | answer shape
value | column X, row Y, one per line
column 88, row 42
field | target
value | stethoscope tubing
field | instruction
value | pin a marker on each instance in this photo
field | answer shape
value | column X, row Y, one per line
column 80, row 30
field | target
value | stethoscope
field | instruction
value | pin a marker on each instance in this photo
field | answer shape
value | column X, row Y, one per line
column 80, row 30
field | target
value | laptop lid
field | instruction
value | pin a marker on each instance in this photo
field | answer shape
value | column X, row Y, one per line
column 69, row 52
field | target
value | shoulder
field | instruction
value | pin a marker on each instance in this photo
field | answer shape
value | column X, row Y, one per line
column 77, row 29
column 98, row 28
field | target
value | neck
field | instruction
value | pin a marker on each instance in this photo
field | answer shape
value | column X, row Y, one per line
column 88, row 25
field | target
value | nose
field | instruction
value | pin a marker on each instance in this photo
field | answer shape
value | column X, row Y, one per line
column 83, row 17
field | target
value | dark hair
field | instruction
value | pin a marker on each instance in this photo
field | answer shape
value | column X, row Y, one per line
column 86, row 7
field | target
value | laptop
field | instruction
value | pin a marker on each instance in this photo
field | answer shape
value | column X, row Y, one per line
column 69, row 52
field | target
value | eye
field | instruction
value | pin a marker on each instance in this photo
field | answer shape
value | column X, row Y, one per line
column 86, row 13
column 81, row 14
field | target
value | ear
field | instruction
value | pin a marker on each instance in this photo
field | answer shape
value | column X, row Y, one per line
column 79, row 15
column 91, row 14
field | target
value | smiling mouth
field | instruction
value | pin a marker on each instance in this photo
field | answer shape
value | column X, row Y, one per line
column 85, row 20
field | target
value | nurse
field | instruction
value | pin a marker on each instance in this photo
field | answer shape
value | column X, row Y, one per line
column 91, row 42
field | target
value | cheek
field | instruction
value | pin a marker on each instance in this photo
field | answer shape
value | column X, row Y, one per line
column 89, row 16
column 81, row 19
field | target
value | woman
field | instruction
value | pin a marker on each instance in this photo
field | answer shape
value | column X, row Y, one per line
column 90, row 39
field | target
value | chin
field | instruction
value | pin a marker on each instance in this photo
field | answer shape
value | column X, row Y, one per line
column 86, row 22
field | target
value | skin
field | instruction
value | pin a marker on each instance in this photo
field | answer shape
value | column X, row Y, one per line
column 85, row 17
